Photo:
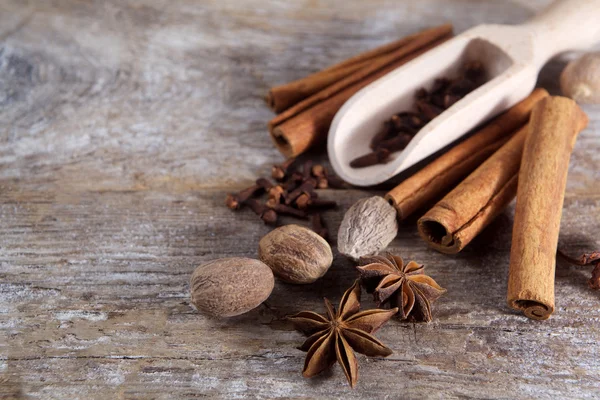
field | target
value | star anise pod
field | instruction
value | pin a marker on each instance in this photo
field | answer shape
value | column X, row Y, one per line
column 335, row 335
column 403, row 286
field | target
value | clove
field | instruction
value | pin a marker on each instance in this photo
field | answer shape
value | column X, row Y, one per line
column 378, row 156
column 280, row 171
column 307, row 187
column 268, row 215
column 235, row 200
column 287, row 210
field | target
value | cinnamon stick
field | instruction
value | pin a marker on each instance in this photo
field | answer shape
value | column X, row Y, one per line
column 284, row 96
column 306, row 124
column 456, row 219
column 434, row 180
column 555, row 123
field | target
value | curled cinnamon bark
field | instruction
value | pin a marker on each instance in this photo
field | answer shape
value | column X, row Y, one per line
column 553, row 128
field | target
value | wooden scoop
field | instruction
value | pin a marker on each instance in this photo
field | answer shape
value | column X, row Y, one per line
column 512, row 57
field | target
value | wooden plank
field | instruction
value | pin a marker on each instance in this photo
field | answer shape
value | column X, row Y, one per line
column 122, row 127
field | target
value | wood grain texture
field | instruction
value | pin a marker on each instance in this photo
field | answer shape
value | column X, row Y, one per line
column 122, row 126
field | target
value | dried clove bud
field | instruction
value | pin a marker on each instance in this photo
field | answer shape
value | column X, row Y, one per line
column 396, row 144
column 319, row 173
column 287, row 210
column 378, row 156
column 429, row 111
column 307, row 169
column 269, row 216
column 386, row 131
column 307, row 187
column 334, row 181
column 235, row 200
column 276, row 193
column 264, row 183
column 280, row 171
column 303, row 201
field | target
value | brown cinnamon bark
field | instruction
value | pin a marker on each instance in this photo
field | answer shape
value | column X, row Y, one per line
column 306, row 124
column 284, row 96
column 456, row 219
column 434, row 180
column 555, row 123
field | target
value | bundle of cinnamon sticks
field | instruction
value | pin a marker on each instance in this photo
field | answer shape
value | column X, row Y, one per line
column 307, row 106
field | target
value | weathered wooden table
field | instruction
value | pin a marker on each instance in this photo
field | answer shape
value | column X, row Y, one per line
column 124, row 123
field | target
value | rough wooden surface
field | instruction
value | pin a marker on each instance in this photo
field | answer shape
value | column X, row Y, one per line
column 122, row 126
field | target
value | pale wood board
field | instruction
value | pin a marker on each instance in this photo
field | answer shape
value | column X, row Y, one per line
column 123, row 124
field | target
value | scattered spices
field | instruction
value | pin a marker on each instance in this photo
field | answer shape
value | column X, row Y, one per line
column 398, row 131
column 230, row 286
column 553, row 128
column 336, row 335
column 293, row 194
column 585, row 260
column 401, row 285
column 295, row 254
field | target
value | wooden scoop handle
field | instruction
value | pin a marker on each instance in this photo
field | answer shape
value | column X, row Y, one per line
column 565, row 25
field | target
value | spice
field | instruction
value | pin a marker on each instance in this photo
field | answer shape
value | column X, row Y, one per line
column 235, row 200
column 553, row 128
column 436, row 178
column 230, row 286
column 336, row 335
column 306, row 124
column 280, row 171
column 580, row 80
column 293, row 194
column 295, row 254
column 398, row 131
column 367, row 228
column 268, row 215
column 585, row 260
column 401, row 285
column 463, row 213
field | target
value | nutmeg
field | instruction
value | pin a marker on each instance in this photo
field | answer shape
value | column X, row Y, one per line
column 295, row 254
column 367, row 228
column 580, row 80
column 230, row 286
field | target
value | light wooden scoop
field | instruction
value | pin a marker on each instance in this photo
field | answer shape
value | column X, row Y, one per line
column 512, row 56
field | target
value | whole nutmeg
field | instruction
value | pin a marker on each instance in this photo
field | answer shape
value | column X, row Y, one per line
column 367, row 228
column 580, row 80
column 295, row 254
column 230, row 286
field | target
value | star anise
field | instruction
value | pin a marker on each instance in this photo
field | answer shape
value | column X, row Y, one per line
column 403, row 286
column 335, row 335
